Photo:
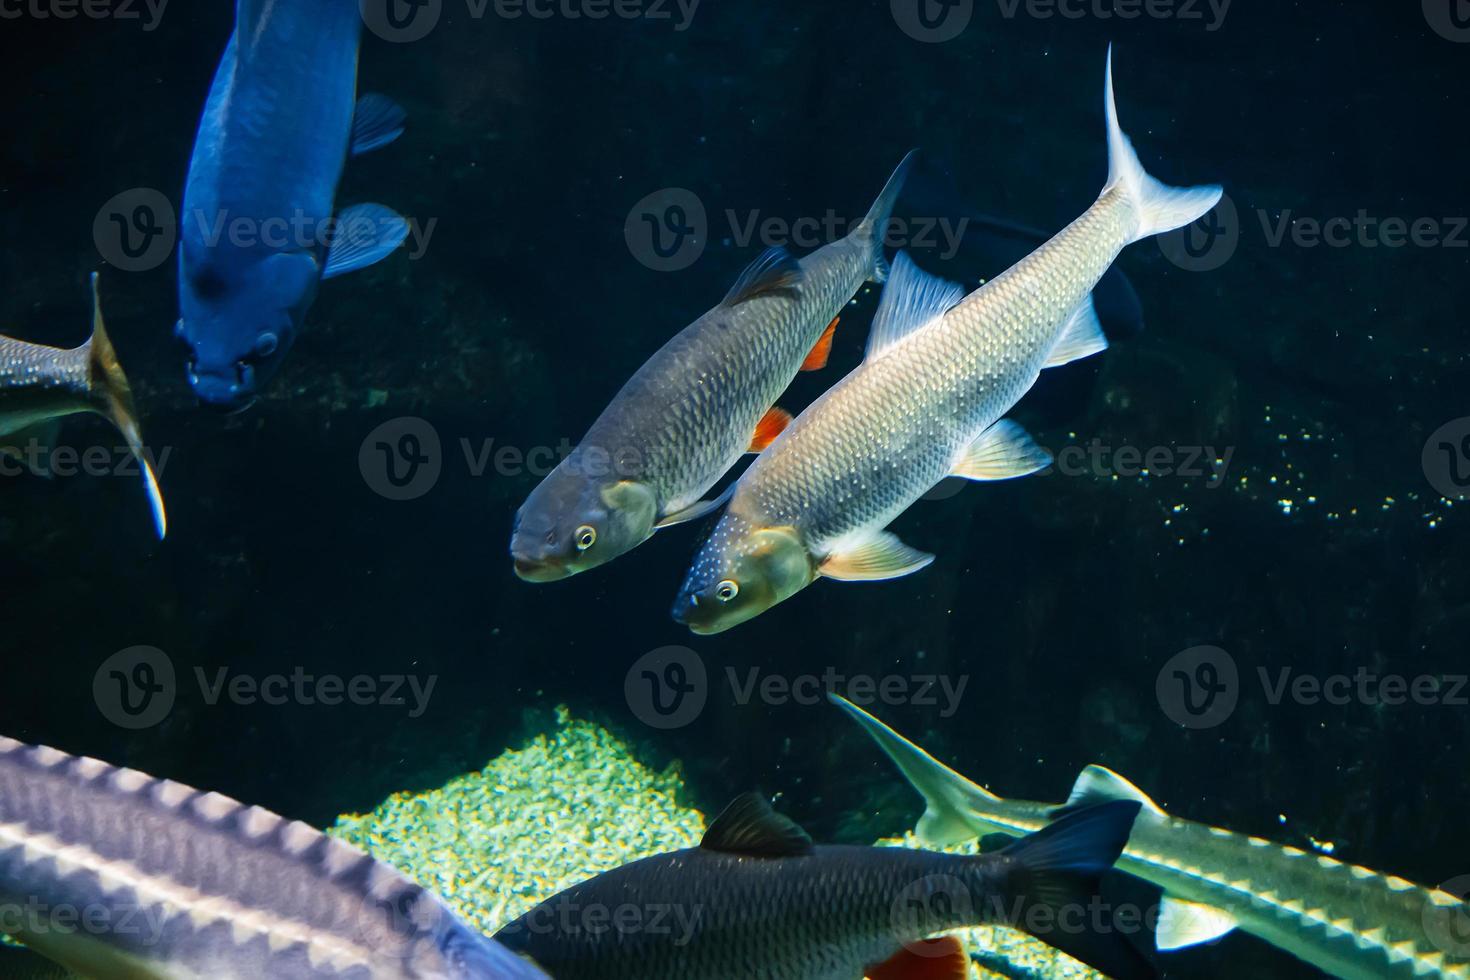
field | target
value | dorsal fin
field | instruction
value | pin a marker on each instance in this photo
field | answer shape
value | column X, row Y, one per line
column 774, row 271
column 912, row 299
column 1098, row 784
column 749, row 826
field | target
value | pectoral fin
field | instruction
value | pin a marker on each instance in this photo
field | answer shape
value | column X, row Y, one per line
column 817, row 359
column 1184, row 923
column 1003, row 451
column 363, row 235
column 929, row 959
column 695, row 510
column 771, row 425
column 377, row 121
column 881, row 557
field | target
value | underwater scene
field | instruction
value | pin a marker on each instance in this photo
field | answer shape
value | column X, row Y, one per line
column 699, row 490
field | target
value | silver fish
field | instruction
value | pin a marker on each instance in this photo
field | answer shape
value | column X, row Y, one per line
column 758, row 899
column 119, row 876
column 1346, row 920
column 695, row 407
column 40, row 384
column 941, row 371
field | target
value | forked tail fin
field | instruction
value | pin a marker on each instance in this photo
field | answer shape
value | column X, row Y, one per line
column 1159, row 207
column 1054, row 884
column 114, row 397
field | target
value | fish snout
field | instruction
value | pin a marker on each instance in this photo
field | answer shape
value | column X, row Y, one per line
column 700, row 615
column 230, row 390
column 539, row 569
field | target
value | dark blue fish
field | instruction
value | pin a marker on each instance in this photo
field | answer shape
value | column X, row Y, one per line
column 258, row 232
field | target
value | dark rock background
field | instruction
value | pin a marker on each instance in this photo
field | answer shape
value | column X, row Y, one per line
column 1059, row 598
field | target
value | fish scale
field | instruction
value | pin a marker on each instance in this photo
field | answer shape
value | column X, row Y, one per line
column 706, row 391
column 893, row 428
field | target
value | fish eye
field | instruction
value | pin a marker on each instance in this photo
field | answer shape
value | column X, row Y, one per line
column 266, row 344
column 727, row 590
column 586, row 537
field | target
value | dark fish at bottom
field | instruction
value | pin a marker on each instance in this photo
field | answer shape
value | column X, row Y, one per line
column 758, row 899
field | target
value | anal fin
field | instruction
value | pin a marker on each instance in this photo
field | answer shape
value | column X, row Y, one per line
column 882, row 556
column 1002, row 452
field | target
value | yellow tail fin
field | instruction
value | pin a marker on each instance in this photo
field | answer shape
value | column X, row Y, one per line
column 115, row 400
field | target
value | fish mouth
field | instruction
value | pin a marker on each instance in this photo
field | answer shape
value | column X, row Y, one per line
column 688, row 612
column 538, row 570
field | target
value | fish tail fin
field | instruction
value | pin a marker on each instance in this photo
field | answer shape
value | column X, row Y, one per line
column 1158, row 206
column 109, row 386
column 1054, row 884
column 874, row 227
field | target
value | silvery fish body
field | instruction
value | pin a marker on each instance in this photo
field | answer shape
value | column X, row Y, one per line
column 119, row 876
column 928, row 402
column 1346, row 920
column 696, row 406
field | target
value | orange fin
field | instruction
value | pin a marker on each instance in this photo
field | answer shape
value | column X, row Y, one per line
column 932, row 959
column 817, row 359
column 771, row 425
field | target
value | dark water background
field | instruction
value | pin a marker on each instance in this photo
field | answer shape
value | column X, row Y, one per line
column 1058, row 598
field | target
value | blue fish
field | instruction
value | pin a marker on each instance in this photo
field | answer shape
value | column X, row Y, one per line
column 258, row 232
